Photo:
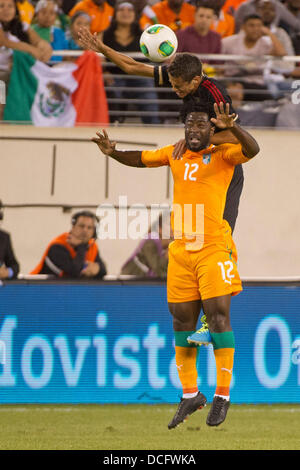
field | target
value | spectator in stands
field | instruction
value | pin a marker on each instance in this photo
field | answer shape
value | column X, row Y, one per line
column 26, row 10
column 266, row 9
column 150, row 259
column 123, row 35
column 15, row 35
column 46, row 15
column 75, row 253
column 257, row 114
column 282, row 14
column 78, row 20
column 276, row 69
column 254, row 40
column 177, row 14
column 224, row 23
column 199, row 38
column 100, row 12
column 19, row 36
column 293, row 6
column 9, row 266
column 62, row 19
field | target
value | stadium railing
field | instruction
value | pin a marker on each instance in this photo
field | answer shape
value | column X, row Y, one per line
column 272, row 70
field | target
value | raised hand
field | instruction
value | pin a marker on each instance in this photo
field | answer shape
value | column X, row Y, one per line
column 223, row 119
column 105, row 145
column 90, row 41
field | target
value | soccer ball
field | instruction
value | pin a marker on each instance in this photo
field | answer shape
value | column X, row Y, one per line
column 158, row 42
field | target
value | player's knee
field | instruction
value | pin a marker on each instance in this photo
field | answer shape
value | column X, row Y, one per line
column 182, row 325
column 219, row 321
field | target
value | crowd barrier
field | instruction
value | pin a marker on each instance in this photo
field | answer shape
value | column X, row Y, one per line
column 135, row 99
column 112, row 342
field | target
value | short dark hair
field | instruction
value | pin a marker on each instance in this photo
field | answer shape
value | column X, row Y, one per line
column 89, row 214
column 194, row 105
column 186, row 66
column 251, row 17
column 209, row 4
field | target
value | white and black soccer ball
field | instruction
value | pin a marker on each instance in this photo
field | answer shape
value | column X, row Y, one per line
column 158, row 42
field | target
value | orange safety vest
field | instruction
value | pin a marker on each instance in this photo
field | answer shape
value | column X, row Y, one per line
column 90, row 255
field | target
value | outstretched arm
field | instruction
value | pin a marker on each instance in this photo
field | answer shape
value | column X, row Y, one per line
column 224, row 120
column 127, row 157
column 127, row 64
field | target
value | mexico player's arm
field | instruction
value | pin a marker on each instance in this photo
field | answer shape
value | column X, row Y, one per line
column 224, row 120
column 134, row 158
column 130, row 66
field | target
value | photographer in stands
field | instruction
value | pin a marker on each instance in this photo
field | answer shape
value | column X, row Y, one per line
column 74, row 254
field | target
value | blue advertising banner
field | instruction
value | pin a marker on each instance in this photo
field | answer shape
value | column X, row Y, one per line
column 108, row 343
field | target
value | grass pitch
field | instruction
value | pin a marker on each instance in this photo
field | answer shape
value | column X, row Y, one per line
column 144, row 427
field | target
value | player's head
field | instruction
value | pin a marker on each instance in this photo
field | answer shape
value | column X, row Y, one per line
column 185, row 73
column 84, row 224
column 252, row 27
column 198, row 126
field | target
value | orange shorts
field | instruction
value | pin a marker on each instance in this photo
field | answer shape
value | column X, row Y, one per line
column 200, row 275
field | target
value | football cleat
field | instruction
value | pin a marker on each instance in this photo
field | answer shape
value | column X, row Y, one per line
column 186, row 407
column 218, row 411
column 201, row 336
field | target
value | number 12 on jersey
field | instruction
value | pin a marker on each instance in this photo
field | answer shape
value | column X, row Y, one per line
column 189, row 171
column 226, row 269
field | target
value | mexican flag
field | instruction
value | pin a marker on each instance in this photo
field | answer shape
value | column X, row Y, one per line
column 65, row 95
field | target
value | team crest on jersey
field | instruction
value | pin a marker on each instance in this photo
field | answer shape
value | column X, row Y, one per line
column 206, row 158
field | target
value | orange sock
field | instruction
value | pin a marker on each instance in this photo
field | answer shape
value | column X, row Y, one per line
column 224, row 364
column 186, row 358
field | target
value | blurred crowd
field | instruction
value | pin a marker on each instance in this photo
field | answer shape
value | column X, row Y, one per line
column 251, row 28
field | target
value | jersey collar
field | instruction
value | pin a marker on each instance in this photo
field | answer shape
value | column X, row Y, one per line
column 190, row 154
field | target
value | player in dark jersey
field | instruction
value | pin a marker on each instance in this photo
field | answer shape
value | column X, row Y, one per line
column 187, row 79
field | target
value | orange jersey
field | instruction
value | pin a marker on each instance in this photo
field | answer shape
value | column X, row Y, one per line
column 201, row 180
column 101, row 16
column 224, row 25
column 165, row 15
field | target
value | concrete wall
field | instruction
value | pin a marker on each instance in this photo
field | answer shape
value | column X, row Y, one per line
column 75, row 173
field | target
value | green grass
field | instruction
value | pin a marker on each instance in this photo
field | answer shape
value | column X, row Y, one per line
column 135, row 427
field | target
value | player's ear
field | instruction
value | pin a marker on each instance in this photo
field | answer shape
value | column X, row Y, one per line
column 212, row 130
column 197, row 80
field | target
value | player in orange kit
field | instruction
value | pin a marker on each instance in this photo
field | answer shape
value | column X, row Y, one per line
column 202, row 257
